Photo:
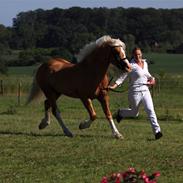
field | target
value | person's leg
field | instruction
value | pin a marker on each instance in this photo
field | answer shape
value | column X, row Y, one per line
column 134, row 99
column 149, row 108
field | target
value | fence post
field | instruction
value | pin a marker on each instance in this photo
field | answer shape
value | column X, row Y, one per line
column 2, row 87
column 19, row 93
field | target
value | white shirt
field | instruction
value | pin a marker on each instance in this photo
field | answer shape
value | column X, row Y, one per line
column 138, row 77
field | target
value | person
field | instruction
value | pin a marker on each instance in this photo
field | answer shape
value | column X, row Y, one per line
column 139, row 81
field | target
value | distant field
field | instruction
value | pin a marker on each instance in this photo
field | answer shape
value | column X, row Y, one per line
column 23, row 70
column 167, row 63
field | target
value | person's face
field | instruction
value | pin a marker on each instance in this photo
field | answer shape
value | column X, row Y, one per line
column 137, row 55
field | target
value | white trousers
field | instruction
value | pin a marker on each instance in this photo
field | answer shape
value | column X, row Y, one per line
column 135, row 99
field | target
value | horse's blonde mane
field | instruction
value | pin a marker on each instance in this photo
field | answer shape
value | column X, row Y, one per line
column 89, row 48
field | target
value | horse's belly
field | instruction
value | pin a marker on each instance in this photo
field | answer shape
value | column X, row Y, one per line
column 73, row 86
column 80, row 94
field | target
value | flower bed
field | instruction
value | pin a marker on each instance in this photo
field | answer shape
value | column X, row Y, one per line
column 131, row 176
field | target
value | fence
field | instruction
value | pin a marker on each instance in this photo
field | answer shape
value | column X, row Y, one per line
column 20, row 88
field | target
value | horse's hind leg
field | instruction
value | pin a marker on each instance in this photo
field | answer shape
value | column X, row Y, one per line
column 46, row 120
column 88, row 104
column 104, row 100
column 57, row 115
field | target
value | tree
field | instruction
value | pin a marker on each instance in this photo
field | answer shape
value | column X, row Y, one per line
column 72, row 28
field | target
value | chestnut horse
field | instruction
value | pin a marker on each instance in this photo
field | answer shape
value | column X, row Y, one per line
column 86, row 80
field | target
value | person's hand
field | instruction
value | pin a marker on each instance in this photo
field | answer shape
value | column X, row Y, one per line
column 112, row 87
column 109, row 87
column 151, row 82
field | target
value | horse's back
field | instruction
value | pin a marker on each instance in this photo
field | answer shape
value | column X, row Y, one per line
column 55, row 65
column 47, row 69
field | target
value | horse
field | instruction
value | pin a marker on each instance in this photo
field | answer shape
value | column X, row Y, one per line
column 86, row 80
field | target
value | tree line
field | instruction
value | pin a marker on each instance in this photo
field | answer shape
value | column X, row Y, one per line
column 62, row 32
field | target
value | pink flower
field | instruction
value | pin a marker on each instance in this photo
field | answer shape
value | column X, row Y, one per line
column 104, row 180
column 142, row 174
column 124, row 175
column 118, row 180
column 156, row 174
column 131, row 176
column 113, row 176
column 131, row 170
column 146, row 180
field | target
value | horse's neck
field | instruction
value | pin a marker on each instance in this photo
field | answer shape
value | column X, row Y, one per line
column 97, row 62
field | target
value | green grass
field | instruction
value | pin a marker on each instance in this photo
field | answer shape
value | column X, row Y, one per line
column 29, row 155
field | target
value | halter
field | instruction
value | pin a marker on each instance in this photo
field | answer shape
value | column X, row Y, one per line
column 117, row 58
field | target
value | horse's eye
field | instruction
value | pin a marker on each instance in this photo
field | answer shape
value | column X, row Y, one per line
column 118, row 58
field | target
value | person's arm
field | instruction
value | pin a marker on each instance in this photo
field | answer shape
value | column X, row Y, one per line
column 119, row 81
column 150, row 79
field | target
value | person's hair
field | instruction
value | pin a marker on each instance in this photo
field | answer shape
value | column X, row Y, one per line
column 136, row 48
column 133, row 51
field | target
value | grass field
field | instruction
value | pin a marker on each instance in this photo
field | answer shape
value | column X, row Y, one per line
column 167, row 63
column 28, row 155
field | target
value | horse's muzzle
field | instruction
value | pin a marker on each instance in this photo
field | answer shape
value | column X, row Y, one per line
column 127, row 65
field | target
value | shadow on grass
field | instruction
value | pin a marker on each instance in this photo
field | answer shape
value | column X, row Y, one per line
column 31, row 134
column 151, row 139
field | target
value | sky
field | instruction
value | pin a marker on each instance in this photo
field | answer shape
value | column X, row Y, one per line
column 9, row 9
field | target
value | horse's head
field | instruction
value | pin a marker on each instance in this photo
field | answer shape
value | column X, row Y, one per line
column 117, row 48
column 117, row 55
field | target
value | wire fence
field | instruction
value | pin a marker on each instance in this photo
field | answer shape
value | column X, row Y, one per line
column 21, row 88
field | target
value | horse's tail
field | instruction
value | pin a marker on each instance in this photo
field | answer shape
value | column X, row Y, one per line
column 35, row 92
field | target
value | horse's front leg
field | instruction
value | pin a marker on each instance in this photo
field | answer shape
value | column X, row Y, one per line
column 46, row 120
column 104, row 100
column 89, row 106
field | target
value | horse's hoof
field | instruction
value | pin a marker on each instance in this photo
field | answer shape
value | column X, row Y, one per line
column 118, row 136
column 43, row 124
column 84, row 125
column 68, row 133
